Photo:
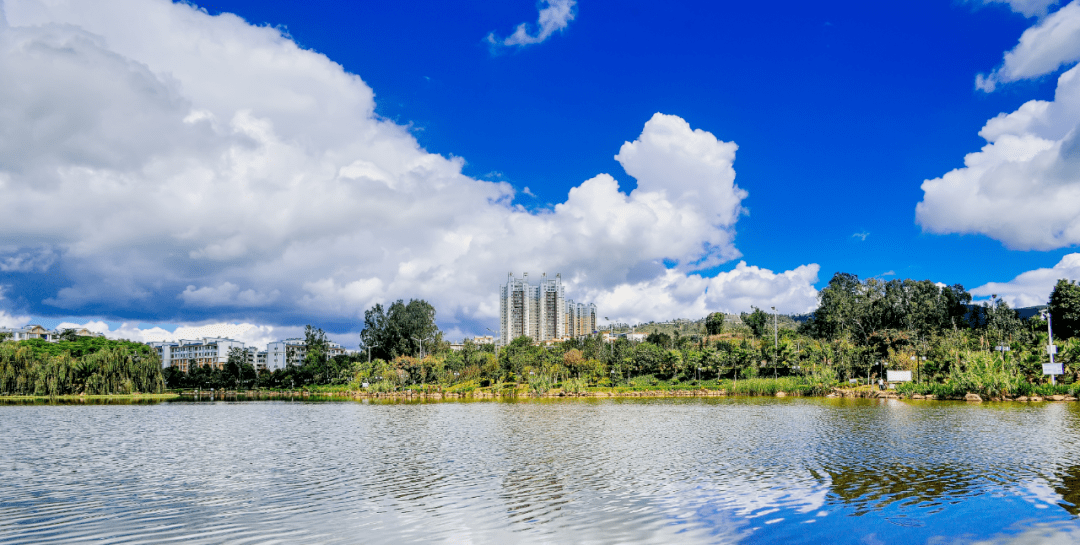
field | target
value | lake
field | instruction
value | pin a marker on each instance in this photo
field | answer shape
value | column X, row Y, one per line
column 724, row 470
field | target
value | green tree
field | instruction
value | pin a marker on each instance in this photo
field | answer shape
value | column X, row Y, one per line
column 757, row 321
column 399, row 329
column 238, row 370
column 659, row 339
column 1065, row 309
column 69, row 335
column 316, row 355
column 714, row 323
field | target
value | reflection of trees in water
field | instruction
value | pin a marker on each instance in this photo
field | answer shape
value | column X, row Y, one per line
column 533, row 492
column 532, row 487
column 866, row 489
column 1068, row 487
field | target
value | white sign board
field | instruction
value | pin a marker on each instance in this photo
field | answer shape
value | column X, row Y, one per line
column 1052, row 369
column 898, row 376
column 1051, row 349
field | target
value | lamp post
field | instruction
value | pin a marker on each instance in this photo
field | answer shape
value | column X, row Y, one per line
column 776, row 342
column 369, row 352
column 497, row 342
column 1050, row 348
column 421, row 346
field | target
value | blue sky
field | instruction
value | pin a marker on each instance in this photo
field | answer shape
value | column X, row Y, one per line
column 839, row 113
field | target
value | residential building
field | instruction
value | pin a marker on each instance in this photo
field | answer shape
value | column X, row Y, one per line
column 256, row 357
column 541, row 311
column 164, row 351
column 280, row 354
column 580, row 319
column 31, row 332
column 187, row 354
column 38, row 332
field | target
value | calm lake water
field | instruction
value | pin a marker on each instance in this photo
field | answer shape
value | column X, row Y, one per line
column 593, row 471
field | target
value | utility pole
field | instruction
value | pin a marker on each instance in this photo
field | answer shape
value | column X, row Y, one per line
column 369, row 352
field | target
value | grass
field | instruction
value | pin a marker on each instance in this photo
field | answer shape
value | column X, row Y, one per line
column 74, row 397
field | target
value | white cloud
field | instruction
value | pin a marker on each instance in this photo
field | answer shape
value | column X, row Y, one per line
column 1029, row 8
column 555, row 17
column 199, row 166
column 673, row 295
column 1023, row 187
column 227, row 294
column 861, row 236
column 39, row 259
column 1033, row 287
column 1043, row 48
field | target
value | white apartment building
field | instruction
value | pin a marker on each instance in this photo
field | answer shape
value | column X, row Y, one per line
column 214, row 351
column 164, row 351
column 280, row 354
column 580, row 319
column 187, row 354
column 293, row 351
column 541, row 311
column 256, row 357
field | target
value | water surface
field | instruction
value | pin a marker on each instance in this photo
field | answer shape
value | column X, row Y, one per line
column 549, row 471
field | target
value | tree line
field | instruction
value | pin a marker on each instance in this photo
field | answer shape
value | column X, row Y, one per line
column 860, row 330
column 78, row 365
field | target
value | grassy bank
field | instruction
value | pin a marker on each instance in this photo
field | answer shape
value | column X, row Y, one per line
column 103, row 397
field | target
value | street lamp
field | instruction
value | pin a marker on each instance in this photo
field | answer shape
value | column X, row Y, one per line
column 369, row 352
column 421, row 346
column 776, row 342
column 918, row 367
column 1050, row 348
column 497, row 342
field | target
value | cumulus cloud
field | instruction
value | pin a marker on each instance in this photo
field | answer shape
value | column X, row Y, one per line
column 1023, row 187
column 1043, row 48
column 1033, row 287
column 196, row 168
column 673, row 295
column 555, row 17
column 1029, row 8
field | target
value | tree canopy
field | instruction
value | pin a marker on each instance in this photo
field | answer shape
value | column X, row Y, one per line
column 399, row 329
column 714, row 323
column 1065, row 309
column 757, row 321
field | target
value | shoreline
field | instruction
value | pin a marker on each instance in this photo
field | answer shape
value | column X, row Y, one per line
column 96, row 397
column 412, row 395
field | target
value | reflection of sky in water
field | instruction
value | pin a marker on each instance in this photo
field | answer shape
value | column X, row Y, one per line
column 610, row 471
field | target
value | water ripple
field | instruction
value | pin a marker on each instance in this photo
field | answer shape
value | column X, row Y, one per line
column 580, row 471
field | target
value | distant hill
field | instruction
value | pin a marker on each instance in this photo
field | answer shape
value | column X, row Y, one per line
column 1028, row 312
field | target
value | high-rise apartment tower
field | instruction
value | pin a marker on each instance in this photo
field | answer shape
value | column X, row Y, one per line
column 540, row 311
